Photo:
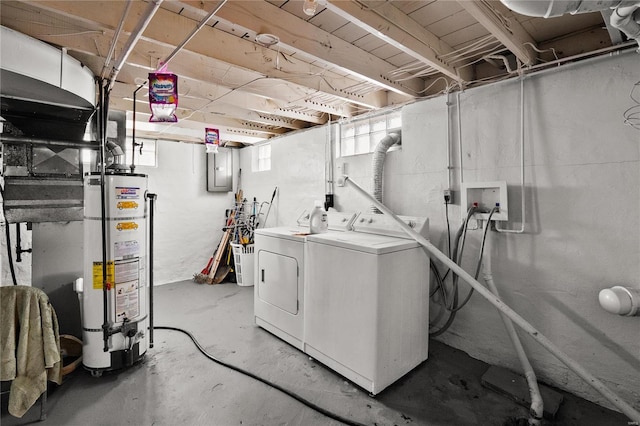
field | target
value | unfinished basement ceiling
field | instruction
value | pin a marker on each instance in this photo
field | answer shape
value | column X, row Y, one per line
column 351, row 57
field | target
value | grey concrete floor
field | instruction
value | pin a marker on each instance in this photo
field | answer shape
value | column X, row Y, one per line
column 176, row 385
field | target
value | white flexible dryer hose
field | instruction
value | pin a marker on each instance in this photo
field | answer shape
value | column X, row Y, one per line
column 536, row 410
column 379, row 154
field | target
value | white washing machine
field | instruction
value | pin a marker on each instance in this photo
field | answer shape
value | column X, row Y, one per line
column 280, row 275
column 367, row 301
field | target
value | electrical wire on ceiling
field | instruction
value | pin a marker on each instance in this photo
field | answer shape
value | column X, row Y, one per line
column 427, row 72
column 410, row 67
column 485, row 57
column 448, row 85
column 470, row 50
column 506, row 22
column 101, row 32
column 534, row 47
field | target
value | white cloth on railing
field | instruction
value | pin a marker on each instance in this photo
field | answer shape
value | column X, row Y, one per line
column 29, row 345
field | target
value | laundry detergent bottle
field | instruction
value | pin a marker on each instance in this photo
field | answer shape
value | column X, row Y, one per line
column 318, row 222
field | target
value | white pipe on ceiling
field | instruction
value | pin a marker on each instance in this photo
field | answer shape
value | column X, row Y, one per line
column 152, row 8
column 198, row 27
column 114, row 41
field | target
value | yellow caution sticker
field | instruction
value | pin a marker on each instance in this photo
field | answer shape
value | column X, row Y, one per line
column 97, row 274
column 126, row 226
column 122, row 205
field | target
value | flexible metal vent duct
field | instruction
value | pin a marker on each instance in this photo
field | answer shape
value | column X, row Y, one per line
column 552, row 8
column 379, row 154
column 625, row 18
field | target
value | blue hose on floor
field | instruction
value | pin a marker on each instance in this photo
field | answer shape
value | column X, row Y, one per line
column 265, row 381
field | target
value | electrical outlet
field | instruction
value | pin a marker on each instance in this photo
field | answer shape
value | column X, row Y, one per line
column 487, row 195
column 448, row 196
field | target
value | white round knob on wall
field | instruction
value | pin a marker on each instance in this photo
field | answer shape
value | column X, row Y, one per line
column 620, row 300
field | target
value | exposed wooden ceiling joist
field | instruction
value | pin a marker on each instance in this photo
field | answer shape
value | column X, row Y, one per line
column 388, row 23
column 222, row 95
column 351, row 57
column 197, row 104
column 230, row 125
column 263, row 17
column 212, row 43
column 500, row 22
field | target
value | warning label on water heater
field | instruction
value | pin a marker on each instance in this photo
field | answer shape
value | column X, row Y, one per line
column 97, row 274
column 127, row 193
column 127, row 295
column 126, row 249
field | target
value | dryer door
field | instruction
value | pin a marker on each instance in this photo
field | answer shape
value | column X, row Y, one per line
column 278, row 280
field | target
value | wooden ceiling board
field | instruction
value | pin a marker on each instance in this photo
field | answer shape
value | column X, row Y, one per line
column 328, row 21
column 385, row 51
column 464, row 36
column 548, row 29
column 278, row 3
column 369, row 42
column 452, row 23
column 409, row 7
column 350, row 32
column 172, row 7
column 401, row 59
column 295, row 8
column 325, row 64
column 435, row 11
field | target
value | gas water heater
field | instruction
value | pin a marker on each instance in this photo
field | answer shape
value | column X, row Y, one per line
column 115, row 315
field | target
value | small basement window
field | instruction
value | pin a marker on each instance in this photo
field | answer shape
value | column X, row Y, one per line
column 146, row 155
column 261, row 159
column 361, row 136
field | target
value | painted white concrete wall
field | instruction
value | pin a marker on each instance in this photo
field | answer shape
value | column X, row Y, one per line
column 297, row 170
column 583, row 226
column 188, row 220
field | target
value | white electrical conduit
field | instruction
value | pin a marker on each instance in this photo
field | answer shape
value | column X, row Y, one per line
column 198, row 27
column 536, row 410
column 379, row 154
column 522, row 187
column 114, row 41
column 624, row 407
column 152, row 8
column 449, row 141
column 459, row 138
column 502, row 58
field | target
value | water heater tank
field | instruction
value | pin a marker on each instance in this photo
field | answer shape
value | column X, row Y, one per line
column 127, row 271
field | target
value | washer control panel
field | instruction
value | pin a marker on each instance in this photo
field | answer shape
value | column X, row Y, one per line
column 384, row 225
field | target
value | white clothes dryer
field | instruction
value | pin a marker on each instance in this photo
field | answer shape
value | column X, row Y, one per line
column 280, row 275
column 367, row 301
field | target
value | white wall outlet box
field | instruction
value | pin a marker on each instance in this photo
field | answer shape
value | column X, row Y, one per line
column 487, row 195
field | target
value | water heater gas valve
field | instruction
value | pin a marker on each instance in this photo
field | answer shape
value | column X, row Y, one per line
column 620, row 300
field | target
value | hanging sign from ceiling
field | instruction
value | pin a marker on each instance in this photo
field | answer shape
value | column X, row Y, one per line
column 163, row 97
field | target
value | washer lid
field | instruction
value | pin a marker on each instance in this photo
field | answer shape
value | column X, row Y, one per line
column 294, row 233
column 368, row 243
